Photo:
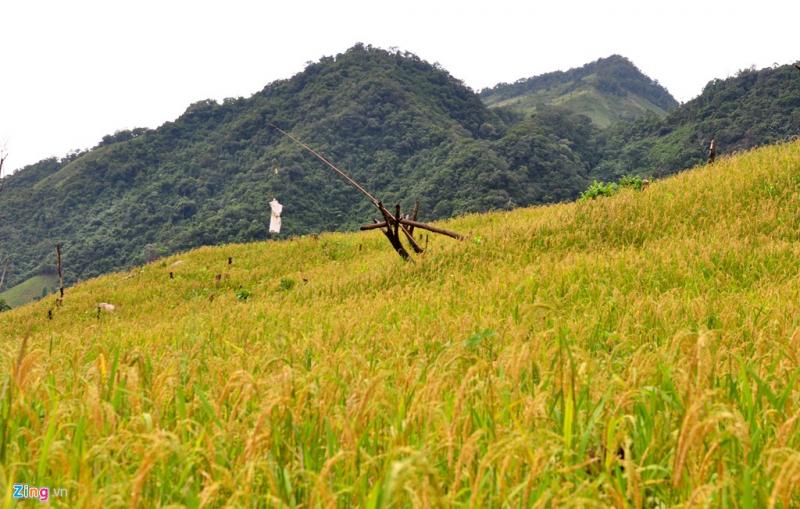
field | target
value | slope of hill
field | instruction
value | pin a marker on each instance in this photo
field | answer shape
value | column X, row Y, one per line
column 609, row 90
column 401, row 126
column 755, row 107
column 634, row 351
column 30, row 289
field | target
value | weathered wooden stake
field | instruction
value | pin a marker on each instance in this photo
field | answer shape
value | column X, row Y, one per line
column 712, row 151
column 5, row 270
column 413, row 216
column 391, row 234
column 60, row 273
column 397, row 223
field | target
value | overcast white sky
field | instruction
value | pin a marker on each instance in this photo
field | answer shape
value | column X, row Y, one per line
column 73, row 71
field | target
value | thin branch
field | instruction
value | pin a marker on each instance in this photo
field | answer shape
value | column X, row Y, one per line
column 326, row 161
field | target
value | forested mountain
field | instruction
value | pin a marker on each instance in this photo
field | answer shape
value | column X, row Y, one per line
column 404, row 128
column 608, row 91
column 755, row 107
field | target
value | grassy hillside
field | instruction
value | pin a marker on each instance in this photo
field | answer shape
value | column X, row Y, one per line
column 603, row 109
column 609, row 91
column 30, row 289
column 634, row 351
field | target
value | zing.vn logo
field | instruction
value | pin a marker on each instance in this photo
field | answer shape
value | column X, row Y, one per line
column 42, row 494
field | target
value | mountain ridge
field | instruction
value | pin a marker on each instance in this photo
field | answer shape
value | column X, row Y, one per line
column 617, row 91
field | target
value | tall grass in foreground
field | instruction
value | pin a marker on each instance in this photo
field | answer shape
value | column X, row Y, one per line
column 641, row 350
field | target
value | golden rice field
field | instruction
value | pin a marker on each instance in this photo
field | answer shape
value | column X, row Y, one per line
column 638, row 351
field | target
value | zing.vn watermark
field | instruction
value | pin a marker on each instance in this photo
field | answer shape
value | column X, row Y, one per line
column 42, row 494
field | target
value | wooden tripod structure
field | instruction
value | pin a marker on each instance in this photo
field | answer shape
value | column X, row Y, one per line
column 393, row 224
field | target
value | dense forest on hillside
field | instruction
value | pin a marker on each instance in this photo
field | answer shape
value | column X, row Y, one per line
column 404, row 128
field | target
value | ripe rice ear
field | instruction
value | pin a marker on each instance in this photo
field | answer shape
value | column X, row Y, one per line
column 787, row 481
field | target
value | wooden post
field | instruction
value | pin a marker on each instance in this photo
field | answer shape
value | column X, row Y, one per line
column 390, row 234
column 397, row 221
column 413, row 216
column 5, row 270
column 396, row 244
column 712, row 151
column 374, row 226
column 399, row 226
column 60, row 273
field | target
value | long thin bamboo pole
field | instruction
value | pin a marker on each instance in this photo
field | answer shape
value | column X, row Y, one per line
column 322, row 158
